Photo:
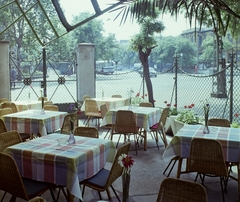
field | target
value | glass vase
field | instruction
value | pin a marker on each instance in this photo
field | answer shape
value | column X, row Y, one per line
column 125, row 187
column 206, row 128
column 71, row 139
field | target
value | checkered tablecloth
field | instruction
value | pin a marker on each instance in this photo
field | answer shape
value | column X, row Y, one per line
column 145, row 116
column 51, row 159
column 31, row 121
column 180, row 144
column 26, row 105
column 111, row 103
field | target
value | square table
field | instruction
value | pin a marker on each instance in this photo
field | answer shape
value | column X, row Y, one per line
column 32, row 122
column 145, row 117
column 26, row 105
column 111, row 103
column 181, row 142
column 51, row 159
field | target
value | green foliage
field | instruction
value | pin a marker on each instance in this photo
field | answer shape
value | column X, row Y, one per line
column 187, row 116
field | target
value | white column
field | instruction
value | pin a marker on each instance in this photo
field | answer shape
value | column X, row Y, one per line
column 85, row 71
column 4, row 70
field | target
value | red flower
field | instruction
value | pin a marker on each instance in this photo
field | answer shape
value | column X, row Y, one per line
column 145, row 95
column 236, row 115
column 192, row 105
column 168, row 105
column 165, row 102
column 185, row 106
column 175, row 105
column 142, row 96
column 154, row 100
column 189, row 106
column 127, row 162
column 137, row 95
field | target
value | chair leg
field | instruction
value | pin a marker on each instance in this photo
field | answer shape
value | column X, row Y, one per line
column 99, row 194
column 115, row 193
column 175, row 159
column 3, row 196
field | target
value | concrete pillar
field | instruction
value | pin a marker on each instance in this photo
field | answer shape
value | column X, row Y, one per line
column 85, row 71
column 4, row 70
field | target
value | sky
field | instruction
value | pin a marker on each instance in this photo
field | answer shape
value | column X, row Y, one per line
column 128, row 29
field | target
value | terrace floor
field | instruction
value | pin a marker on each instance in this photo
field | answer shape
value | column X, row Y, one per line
column 146, row 177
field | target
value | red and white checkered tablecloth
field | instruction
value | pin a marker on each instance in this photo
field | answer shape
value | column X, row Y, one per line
column 31, row 121
column 228, row 137
column 45, row 159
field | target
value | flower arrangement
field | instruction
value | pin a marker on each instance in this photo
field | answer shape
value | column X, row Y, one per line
column 206, row 108
column 187, row 115
column 235, row 123
column 126, row 162
column 172, row 111
column 73, row 108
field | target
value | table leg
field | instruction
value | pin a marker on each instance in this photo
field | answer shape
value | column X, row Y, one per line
column 179, row 167
column 145, row 140
column 70, row 197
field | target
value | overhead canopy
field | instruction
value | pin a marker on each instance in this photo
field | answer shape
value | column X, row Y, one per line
column 54, row 13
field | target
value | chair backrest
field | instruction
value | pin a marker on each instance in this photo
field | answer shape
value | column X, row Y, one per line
column 86, row 97
column 206, row 156
column 3, row 127
column 91, row 107
column 9, row 138
column 48, row 103
column 5, row 111
column 66, row 126
column 117, row 96
column 11, row 180
column 86, row 132
column 37, row 199
column 116, row 169
column 104, row 110
column 176, row 190
column 40, row 99
column 125, row 122
column 145, row 104
column 164, row 116
column 3, row 100
column 11, row 105
column 219, row 122
column 51, row 107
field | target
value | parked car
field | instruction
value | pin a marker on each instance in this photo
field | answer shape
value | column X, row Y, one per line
column 106, row 70
column 152, row 72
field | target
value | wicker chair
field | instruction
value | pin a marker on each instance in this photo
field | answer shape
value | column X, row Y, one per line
column 117, row 96
column 51, row 107
column 11, row 105
column 219, row 122
column 3, row 100
column 207, row 159
column 3, row 127
column 105, row 178
column 125, row 124
column 66, row 126
column 48, row 103
column 86, row 97
column 12, row 182
column 40, row 99
column 104, row 111
column 8, row 139
column 5, row 111
column 86, row 132
column 160, row 127
column 145, row 104
column 91, row 111
column 176, row 190
column 37, row 199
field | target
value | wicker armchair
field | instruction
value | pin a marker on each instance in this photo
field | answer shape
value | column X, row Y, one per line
column 66, row 126
column 12, row 182
column 104, row 111
column 219, row 122
column 3, row 127
column 51, row 107
column 207, row 159
column 11, row 105
column 105, row 178
column 160, row 127
column 176, row 190
column 86, row 132
column 145, row 104
column 37, row 199
column 117, row 96
column 91, row 111
column 125, row 124
column 8, row 139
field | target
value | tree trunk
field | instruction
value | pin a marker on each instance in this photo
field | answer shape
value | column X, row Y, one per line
column 143, row 56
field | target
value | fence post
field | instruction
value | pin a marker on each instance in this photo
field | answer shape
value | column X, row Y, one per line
column 232, row 55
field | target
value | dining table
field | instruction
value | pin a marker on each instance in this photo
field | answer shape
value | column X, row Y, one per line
column 110, row 102
column 34, row 121
column 23, row 105
column 145, row 118
column 181, row 142
column 51, row 159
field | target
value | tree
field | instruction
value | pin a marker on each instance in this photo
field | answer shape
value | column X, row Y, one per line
column 144, row 42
